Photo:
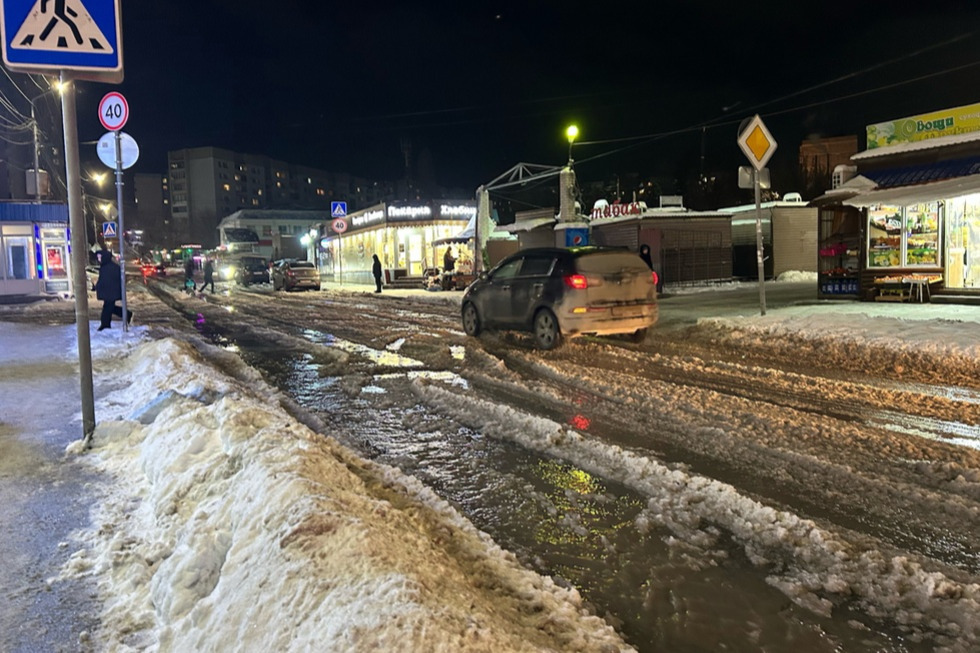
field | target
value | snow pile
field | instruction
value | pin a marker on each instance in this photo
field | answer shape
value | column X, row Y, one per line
column 945, row 348
column 797, row 276
column 229, row 524
column 811, row 566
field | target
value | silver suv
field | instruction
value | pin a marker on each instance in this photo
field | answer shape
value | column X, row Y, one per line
column 556, row 293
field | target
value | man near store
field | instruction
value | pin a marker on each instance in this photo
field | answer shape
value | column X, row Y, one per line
column 448, row 269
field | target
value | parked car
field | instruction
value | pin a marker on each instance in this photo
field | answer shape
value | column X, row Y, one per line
column 251, row 269
column 557, row 293
column 295, row 275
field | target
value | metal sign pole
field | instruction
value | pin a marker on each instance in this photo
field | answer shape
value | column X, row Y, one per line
column 759, row 251
column 76, row 221
column 340, row 257
column 122, row 228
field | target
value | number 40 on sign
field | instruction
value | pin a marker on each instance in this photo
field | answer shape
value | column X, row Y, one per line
column 113, row 111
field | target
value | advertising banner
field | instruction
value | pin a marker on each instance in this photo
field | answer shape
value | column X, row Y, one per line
column 948, row 122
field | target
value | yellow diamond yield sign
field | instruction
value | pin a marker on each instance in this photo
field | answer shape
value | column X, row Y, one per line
column 757, row 143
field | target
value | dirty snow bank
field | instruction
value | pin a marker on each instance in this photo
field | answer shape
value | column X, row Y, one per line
column 229, row 524
column 816, row 569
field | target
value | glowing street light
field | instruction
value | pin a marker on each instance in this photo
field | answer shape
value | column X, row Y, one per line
column 571, row 133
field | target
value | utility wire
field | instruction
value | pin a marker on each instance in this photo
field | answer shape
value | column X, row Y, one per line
column 711, row 124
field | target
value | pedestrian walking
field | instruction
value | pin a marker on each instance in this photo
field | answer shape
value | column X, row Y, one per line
column 376, row 270
column 208, row 275
column 108, row 288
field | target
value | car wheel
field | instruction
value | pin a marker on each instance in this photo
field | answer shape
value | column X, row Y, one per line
column 547, row 335
column 639, row 335
column 471, row 320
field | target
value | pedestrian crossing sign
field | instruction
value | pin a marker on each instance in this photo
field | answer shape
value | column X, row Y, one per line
column 338, row 209
column 108, row 229
column 46, row 36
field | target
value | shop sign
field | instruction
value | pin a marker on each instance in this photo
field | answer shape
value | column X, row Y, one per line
column 616, row 210
column 408, row 213
column 367, row 219
column 457, row 211
column 948, row 122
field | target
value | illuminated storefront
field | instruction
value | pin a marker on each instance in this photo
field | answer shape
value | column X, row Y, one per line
column 34, row 250
column 403, row 235
column 918, row 188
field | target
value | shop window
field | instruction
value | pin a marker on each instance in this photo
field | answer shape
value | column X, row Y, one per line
column 55, row 261
column 903, row 236
column 922, row 234
column 884, row 236
column 18, row 260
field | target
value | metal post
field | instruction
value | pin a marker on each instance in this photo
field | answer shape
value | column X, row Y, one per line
column 79, row 254
column 37, row 171
column 340, row 257
column 759, row 252
column 122, row 230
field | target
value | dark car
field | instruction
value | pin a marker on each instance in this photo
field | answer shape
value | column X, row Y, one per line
column 295, row 275
column 151, row 269
column 252, row 269
column 556, row 293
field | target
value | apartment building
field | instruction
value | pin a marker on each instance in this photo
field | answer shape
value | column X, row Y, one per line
column 208, row 184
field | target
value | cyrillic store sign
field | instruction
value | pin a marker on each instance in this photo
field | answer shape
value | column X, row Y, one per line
column 948, row 122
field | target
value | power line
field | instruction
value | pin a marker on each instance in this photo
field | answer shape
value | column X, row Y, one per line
column 711, row 124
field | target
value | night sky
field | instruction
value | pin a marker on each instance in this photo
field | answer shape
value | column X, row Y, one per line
column 479, row 86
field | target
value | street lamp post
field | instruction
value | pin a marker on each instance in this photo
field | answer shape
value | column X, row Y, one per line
column 56, row 87
column 566, row 182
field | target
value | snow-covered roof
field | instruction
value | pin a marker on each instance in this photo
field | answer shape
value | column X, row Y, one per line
column 267, row 215
column 764, row 205
column 928, row 144
column 658, row 214
column 918, row 193
column 526, row 225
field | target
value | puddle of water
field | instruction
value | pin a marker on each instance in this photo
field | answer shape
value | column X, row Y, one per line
column 446, row 377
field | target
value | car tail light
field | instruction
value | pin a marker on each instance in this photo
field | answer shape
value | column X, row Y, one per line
column 656, row 278
column 577, row 281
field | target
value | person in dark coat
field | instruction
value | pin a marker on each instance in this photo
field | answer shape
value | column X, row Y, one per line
column 645, row 255
column 448, row 269
column 208, row 275
column 108, row 288
column 189, row 284
column 376, row 270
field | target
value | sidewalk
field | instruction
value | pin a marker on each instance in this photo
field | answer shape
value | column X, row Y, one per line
column 44, row 494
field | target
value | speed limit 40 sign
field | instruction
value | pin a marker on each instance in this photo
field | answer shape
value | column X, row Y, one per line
column 113, row 111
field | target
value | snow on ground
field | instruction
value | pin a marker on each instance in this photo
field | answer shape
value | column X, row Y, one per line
column 811, row 562
column 228, row 521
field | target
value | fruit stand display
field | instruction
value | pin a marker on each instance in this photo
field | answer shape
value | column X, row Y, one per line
column 903, row 288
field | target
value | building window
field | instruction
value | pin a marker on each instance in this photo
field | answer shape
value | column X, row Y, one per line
column 227, row 187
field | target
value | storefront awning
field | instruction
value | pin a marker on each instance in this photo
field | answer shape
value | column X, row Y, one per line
column 918, row 193
column 463, row 236
column 921, row 174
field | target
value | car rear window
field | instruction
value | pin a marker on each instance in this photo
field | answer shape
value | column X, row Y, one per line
column 537, row 266
column 609, row 262
column 301, row 264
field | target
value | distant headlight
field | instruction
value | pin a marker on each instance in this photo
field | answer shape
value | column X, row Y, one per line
column 227, row 272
